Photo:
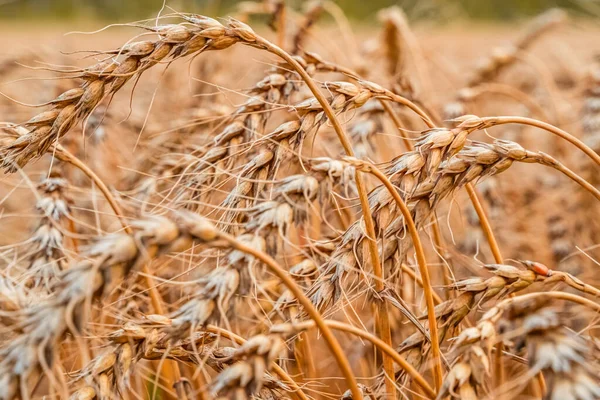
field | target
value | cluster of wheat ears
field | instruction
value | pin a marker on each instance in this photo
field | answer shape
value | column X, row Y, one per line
column 314, row 241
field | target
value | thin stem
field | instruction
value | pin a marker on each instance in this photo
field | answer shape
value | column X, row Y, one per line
column 405, row 102
column 171, row 368
column 362, row 193
column 493, row 121
column 281, row 15
column 542, row 384
column 436, row 298
column 64, row 155
column 438, row 241
column 74, row 241
column 485, row 224
column 341, row 326
column 574, row 283
column 585, row 184
column 549, row 296
column 310, row 309
column 422, row 262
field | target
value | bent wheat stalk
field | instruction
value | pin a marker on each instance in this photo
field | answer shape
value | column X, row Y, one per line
column 332, row 342
column 340, row 326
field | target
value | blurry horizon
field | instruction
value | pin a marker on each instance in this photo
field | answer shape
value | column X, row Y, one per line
column 358, row 10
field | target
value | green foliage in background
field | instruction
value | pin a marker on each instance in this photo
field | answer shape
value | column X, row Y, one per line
column 127, row 10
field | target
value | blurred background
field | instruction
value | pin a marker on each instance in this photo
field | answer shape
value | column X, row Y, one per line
column 439, row 10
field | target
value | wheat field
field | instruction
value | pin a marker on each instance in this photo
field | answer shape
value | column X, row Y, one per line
column 283, row 204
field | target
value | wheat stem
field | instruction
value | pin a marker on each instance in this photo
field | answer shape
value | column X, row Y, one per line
column 310, row 309
column 422, row 262
column 171, row 368
column 493, row 121
column 548, row 296
column 485, row 224
column 343, row 327
column 383, row 317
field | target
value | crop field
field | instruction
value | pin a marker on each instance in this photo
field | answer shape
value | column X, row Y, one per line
column 286, row 203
